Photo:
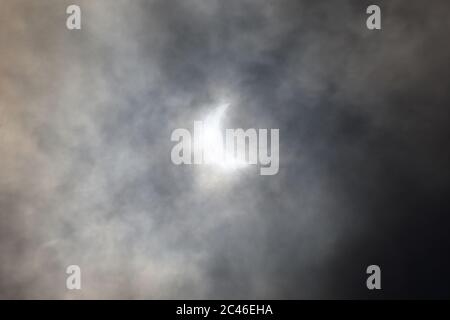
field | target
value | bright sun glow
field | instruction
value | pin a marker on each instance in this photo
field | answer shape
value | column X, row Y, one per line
column 213, row 142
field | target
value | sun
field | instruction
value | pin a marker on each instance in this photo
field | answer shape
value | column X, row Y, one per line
column 214, row 150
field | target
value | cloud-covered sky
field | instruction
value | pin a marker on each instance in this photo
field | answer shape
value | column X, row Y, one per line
column 85, row 170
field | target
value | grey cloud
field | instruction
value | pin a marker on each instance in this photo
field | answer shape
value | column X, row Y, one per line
column 86, row 177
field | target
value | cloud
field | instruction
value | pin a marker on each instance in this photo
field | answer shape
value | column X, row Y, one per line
column 86, row 176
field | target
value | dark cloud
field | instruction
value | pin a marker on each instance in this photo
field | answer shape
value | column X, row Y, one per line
column 86, row 176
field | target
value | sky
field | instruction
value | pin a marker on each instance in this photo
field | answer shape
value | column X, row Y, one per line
column 86, row 177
